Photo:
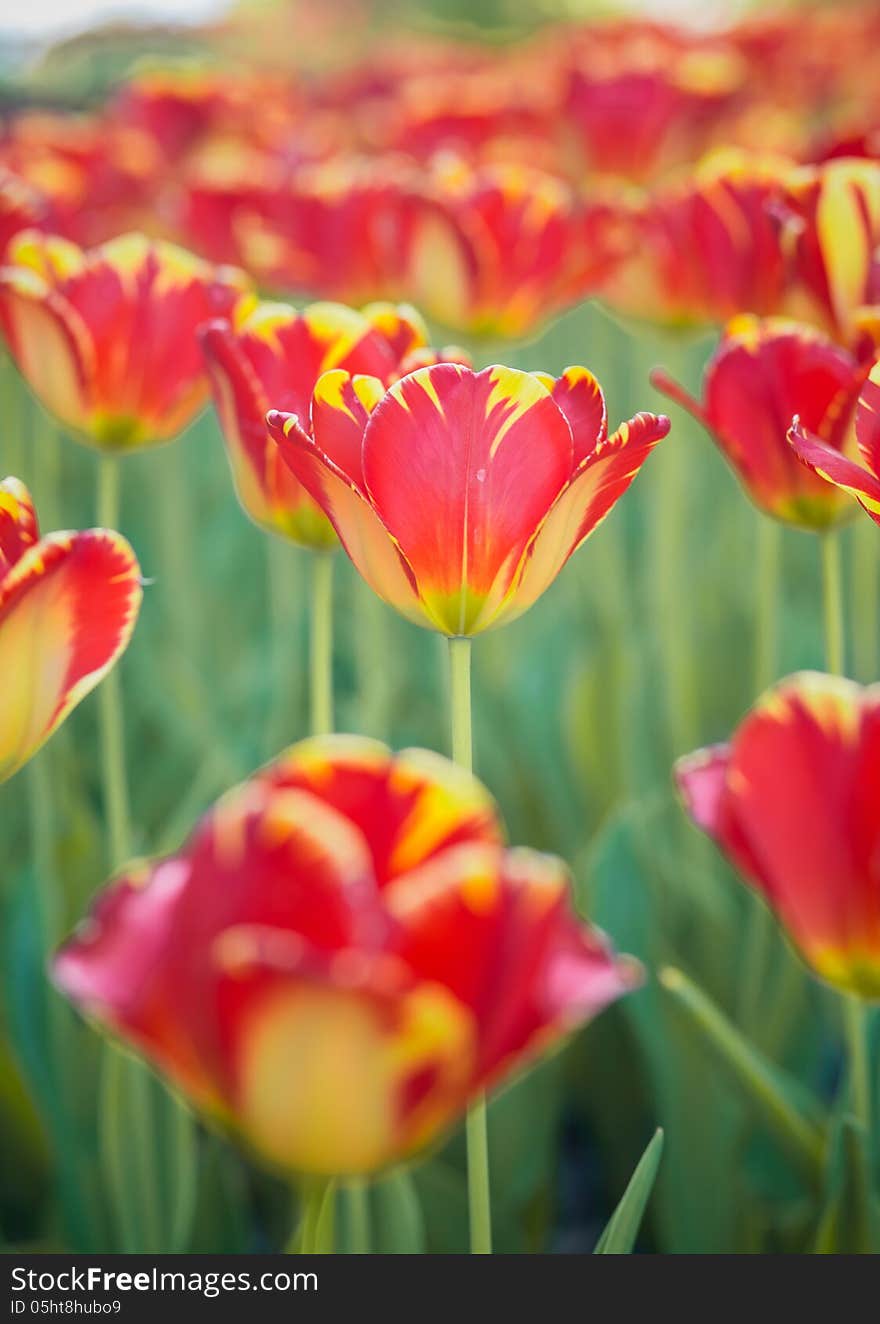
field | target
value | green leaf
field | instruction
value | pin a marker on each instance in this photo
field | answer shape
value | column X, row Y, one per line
column 620, row 1235
column 791, row 1112
column 850, row 1221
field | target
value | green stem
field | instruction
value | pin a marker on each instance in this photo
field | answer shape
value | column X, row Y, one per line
column 321, row 644
column 42, row 839
column 832, row 593
column 116, row 802
column 313, row 1234
column 767, row 602
column 283, row 564
column 375, row 664
column 865, row 600
column 855, row 1023
column 479, row 1196
column 358, row 1217
column 759, row 925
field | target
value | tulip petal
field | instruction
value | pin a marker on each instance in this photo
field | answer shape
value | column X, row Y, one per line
column 868, row 421
column 67, row 610
column 495, row 928
column 409, row 806
column 580, row 398
column 358, row 527
column 701, row 778
column 18, row 523
column 835, row 468
column 49, row 342
column 798, row 813
column 493, row 450
column 598, row 484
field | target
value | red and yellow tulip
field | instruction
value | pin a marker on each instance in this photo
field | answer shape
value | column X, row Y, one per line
column 106, row 338
column 709, row 246
column 794, row 802
column 273, row 355
column 68, row 605
column 841, row 471
column 762, row 374
column 460, row 495
column 341, row 957
column 834, row 234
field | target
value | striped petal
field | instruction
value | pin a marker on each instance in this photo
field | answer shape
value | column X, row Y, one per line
column 600, row 481
column 18, row 523
column 797, row 808
column 461, row 468
column 835, row 468
column 67, row 610
column 495, row 928
column 409, row 806
column 580, row 398
column 358, row 527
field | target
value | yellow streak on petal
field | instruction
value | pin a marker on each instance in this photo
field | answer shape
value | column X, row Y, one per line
column 522, row 390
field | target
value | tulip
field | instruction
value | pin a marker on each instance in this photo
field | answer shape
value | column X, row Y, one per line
column 833, row 228
column 762, row 374
column 707, row 247
column 839, row 471
column 68, row 605
column 459, row 495
column 273, row 355
column 340, row 957
column 792, row 801
column 106, row 338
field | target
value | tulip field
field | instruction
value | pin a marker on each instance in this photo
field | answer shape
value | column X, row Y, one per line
column 439, row 632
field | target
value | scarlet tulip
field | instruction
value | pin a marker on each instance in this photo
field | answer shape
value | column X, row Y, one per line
column 460, row 495
column 341, row 956
column 708, row 246
column 274, row 355
column 834, row 233
column 760, row 376
column 68, row 605
column 106, row 339
column 794, row 802
column 842, row 472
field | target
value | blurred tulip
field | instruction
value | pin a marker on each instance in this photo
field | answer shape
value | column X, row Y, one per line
column 106, row 338
column 497, row 250
column 341, row 956
column 793, row 802
column 273, row 356
column 459, row 496
column 839, row 471
column 709, row 246
column 650, row 104
column 762, row 374
column 68, row 605
column 100, row 177
column 833, row 227
column 22, row 207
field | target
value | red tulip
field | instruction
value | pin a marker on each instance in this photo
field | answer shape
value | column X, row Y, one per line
column 708, row 247
column 840, row 471
column 834, row 232
column 341, row 957
column 68, row 605
column 274, row 355
column 459, row 496
column 794, row 802
column 106, row 339
column 760, row 376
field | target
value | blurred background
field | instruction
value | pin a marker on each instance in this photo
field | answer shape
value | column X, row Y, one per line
column 642, row 650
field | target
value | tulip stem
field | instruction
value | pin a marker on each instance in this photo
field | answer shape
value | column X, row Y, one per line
column 833, row 601
column 865, row 600
column 856, row 1029
column 767, row 605
column 321, row 644
column 476, row 1128
column 116, row 802
column 358, row 1217
column 314, row 1234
